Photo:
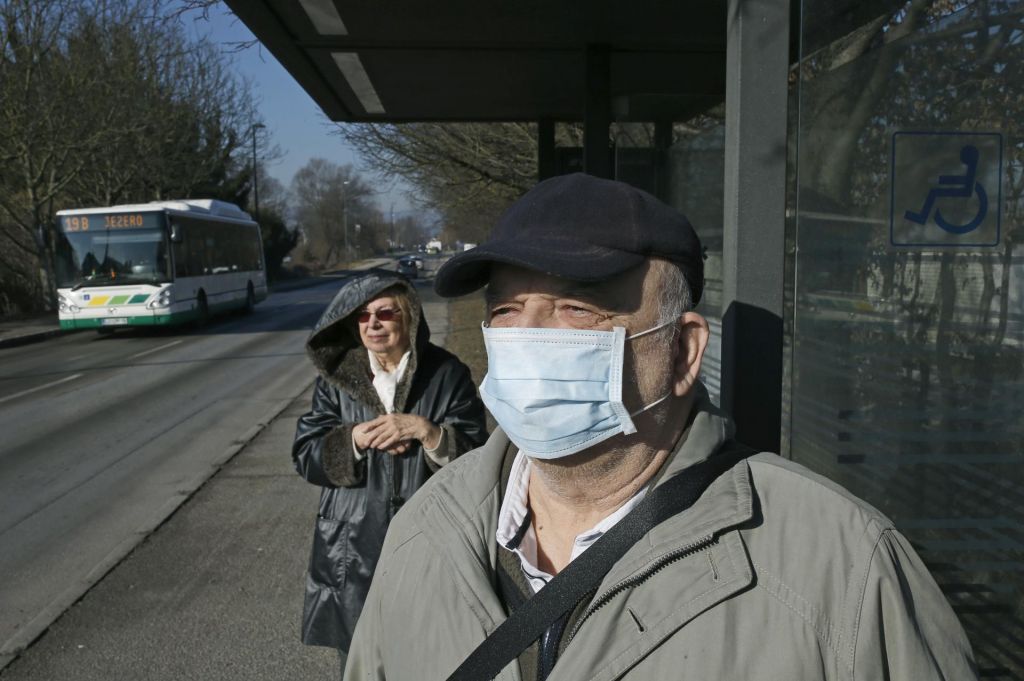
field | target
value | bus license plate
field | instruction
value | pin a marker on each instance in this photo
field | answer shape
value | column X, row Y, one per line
column 114, row 321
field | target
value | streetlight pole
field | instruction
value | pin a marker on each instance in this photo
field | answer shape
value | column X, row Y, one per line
column 255, row 176
column 344, row 220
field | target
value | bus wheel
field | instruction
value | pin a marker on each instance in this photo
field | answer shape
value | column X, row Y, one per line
column 203, row 310
column 250, row 299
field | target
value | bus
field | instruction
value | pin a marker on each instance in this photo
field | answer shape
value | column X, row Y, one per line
column 158, row 263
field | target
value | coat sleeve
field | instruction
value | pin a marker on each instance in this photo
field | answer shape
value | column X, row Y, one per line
column 463, row 420
column 322, row 451
column 907, row 629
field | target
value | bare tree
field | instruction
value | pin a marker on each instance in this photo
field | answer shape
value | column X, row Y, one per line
column 104, row 102
column 334, row 212
column 467, row 172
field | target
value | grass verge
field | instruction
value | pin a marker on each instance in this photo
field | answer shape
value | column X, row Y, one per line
column 465, row 339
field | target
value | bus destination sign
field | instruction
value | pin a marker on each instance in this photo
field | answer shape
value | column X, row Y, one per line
column 99, row 221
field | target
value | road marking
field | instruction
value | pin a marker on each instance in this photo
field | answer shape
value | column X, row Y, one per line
column 162, row 347
column 39, row 387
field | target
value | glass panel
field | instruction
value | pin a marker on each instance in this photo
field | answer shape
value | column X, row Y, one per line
column 695, row 184
column 106, row 257
column 683, row 164
column 907, row 333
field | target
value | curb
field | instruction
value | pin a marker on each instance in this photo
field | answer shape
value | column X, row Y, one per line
column 32, row 337
column 38, row 625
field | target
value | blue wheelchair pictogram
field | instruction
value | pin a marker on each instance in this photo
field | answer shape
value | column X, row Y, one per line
column 955, row 187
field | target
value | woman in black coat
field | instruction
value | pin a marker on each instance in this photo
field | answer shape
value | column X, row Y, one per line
column 389, row 408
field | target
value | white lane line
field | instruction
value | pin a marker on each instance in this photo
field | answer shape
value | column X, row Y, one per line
column 39, row 387
column 162, row 347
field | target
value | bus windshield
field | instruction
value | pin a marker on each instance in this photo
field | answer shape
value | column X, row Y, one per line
column 111, row 257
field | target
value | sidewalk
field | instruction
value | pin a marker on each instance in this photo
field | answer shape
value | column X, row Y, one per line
column 29, row 329
column 216, row 591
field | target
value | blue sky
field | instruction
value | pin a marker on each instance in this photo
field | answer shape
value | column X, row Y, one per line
column 294, row 122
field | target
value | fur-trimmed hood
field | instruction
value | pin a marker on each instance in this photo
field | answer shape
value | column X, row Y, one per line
column 336, row 350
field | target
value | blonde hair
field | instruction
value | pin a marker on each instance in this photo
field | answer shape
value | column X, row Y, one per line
column 401, row 296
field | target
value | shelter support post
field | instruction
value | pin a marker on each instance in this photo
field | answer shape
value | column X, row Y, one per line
column 597, row 113
column 757, row 63
column 547, row 165
column 662, row 145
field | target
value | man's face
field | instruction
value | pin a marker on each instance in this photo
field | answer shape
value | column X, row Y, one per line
column 521, row 298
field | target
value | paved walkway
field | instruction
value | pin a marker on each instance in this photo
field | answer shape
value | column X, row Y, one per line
column 28, row 329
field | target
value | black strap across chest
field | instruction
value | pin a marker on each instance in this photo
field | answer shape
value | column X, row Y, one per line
column 583, row 575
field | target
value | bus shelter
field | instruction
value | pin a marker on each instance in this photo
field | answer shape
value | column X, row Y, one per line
column 856, row 170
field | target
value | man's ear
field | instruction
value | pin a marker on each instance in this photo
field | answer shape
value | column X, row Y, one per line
column 688, row 352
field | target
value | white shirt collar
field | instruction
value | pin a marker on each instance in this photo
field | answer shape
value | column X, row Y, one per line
column 513, row 514
column 386, row 382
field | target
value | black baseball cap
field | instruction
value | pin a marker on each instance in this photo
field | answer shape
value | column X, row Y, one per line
column 581, row 228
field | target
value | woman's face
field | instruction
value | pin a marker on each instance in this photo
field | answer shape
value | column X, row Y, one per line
column 391, row 337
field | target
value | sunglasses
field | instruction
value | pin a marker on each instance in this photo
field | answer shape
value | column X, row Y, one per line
column 385, row 314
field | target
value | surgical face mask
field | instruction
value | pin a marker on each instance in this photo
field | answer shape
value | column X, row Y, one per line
column 556, row 392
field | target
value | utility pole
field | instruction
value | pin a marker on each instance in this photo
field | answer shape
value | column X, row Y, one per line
column 394, row 237
column 344, row 220
column 255, row 177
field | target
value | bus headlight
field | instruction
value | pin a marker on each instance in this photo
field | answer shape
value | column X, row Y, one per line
column 164, row 299
column 65, row 305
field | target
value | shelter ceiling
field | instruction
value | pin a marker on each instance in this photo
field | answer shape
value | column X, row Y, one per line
column 408, row 60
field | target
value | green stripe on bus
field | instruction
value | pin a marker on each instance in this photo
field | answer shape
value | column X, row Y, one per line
column 118, row 300
column 138, row 298
column 140, row 320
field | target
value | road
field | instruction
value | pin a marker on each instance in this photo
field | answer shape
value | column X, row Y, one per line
column 104, row 436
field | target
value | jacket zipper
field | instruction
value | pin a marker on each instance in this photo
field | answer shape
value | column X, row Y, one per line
column 688, row 550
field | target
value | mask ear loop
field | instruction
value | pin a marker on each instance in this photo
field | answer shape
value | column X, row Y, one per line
column 667, row 395
column 652, row 329
column 655, row 403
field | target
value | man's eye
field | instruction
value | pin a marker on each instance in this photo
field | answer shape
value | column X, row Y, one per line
column 499, row 311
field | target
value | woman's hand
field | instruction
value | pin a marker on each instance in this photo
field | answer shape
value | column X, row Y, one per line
column 392, row 433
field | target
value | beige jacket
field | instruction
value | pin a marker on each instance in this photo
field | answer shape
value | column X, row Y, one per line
column 775, row 574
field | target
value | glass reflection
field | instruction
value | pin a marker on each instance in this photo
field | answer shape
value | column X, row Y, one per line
column 906, row 359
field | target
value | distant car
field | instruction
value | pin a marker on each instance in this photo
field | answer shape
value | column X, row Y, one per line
column 408, row 267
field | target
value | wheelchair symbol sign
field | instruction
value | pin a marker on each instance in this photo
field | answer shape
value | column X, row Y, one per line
column 946, row 189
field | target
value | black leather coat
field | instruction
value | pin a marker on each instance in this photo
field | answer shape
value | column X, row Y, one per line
column 360, row 498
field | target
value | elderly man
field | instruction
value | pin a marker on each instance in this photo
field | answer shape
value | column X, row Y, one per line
column 716, row 565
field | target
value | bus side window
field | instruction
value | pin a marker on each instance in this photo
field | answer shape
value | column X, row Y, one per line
column 181, row 253
column 197, row 261
column 214, row 249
